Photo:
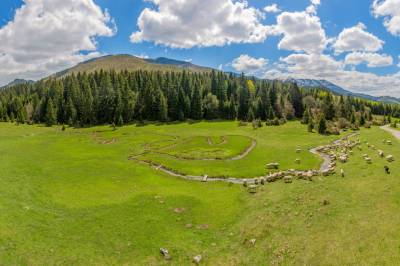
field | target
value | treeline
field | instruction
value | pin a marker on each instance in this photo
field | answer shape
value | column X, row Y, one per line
column 125, row 97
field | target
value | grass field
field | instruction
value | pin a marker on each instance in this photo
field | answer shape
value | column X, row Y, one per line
column 73, row 198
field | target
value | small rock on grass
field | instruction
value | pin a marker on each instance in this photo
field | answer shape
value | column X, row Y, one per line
column 197, row 259
column 165, row 253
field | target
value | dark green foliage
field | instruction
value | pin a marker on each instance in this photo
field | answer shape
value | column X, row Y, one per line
column 322, row 127
column 107, row 97
column 50, row 116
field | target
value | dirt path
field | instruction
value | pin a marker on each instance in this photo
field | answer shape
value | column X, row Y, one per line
column 394, row 132
column 235, row 158
column 246, row 152
column 205, row 178
column 327, row 159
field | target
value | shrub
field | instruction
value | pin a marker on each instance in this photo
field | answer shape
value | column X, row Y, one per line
column 343, row 123
column 242, row 124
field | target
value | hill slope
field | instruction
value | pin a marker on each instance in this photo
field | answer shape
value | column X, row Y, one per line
column 17, row 82
column 313, row 83
column 131, row 63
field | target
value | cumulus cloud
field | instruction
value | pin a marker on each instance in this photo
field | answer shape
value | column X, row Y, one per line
column 371, row 59
column 312, row 9
column 357, row 39
column 272, row 9
column 302, row 32
column 202, row 23
column 248, row 64
column 320, row 66
column 390, row 10
column 46, row 36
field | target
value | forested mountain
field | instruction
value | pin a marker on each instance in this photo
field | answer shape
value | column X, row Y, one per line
column 112, row 97
column 313, row 83
column 17, row 82
column 131, row 63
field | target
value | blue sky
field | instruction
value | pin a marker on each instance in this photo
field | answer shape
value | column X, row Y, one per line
column 352, row 43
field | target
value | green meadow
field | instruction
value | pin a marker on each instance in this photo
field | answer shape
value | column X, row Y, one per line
column 75, row 197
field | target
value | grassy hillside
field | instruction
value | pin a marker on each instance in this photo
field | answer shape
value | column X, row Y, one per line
column 130, row 63
column 74, row 198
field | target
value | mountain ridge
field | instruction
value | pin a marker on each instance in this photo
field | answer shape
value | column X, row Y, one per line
column 128, row 62
column 314, row 83
column 122, row 62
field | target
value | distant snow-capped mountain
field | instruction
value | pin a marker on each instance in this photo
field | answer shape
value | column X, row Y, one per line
column 313, row 83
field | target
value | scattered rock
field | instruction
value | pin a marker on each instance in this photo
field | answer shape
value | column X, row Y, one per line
column 252, row 241
column 189, row 226
column 202, row 226
column 165, row 253
column 325, row 202
column 197, row 259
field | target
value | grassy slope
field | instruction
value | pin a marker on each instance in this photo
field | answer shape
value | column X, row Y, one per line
column 67, row 199
column 274, row 144
column 124, row 62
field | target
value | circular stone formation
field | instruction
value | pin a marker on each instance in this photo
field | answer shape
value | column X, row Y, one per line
column 204, row 148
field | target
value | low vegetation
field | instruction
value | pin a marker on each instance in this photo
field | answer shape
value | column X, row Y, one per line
column 110, row 97
column 73, row 196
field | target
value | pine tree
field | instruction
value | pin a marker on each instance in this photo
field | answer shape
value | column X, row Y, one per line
column 306, row 117
column 322, row 125
column 196, row 108
column 51, row 118
column 250, row 115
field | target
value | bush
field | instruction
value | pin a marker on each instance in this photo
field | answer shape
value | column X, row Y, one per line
column 242, row 124
column 343, row 123
column 368, row 125
column 333, row 131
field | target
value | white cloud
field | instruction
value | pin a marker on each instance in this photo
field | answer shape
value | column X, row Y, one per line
column 371, row 59
column 202, row 23
column 312, row 9
column 272, row 9
column 319, row 66
column 302, row 32
column 390, row 10
column 248, row 64
column 46, row 36
column 357, row 39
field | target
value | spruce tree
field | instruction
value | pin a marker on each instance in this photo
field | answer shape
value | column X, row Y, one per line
column 196, row 105
column 51, row 118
